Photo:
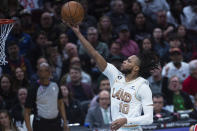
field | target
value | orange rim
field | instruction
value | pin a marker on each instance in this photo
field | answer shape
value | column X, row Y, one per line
column 6, row 21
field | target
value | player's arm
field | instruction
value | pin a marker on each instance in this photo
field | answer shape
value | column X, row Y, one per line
column 145, row 94
column 89, row 48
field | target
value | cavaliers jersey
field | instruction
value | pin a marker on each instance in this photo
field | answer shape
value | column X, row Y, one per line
column 125, row 97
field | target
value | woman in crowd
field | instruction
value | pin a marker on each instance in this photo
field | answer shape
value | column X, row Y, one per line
column 62, row 41
column 6, row 123
column 141, row 28
column 161, row 47
column 73, row 108
column 188, row 47
column 146, row 45
column 175, row 15
column 20, row 80
column 6, row 91
column 105, row 29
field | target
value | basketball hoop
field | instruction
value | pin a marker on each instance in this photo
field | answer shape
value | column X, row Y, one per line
column 5, row 28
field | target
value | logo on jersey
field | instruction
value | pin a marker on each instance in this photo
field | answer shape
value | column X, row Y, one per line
column 119, row 77
column 121, row 95
column 132, row 87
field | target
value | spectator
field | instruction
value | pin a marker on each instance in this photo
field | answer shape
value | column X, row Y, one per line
column 6, row 123
column 191, row 14
column 176, row 66
column 146, row 45
column 80, row 90
column 99, row 116
column 174, row 96
column 162, row 23
column 55, row 61
column 190, row 83
column 105, row 30
column 41, row 43
column 134, row 9
column 45, row 100
column 71, row 51
column 15, row 60
column 155, row 80
column 6, row 91
column 47, row 25
column 161, row 47
column 151, row 7
column 73, row 108
column 115, row 49
column 103, row 85
column 23, row 40
column 175, row 15
column 62, row 41
column 187, row 43
column 26, row 22
column 92, row 36
column 128, row 46
column 176, row 41
column 85, row 78
column 194, row 112
column 35, row 77
column 98, row 8
column 141, row 28
column 117, row 14
column 20, row 80
column 158, row 104
column 18, row 109
column 88, row 20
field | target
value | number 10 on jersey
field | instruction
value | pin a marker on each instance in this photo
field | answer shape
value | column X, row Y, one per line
column 124, row 108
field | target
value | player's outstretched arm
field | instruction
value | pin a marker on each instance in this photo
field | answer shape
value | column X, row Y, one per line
column 101, row 62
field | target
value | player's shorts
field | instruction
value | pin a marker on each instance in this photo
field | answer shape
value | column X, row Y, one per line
column 136, row 128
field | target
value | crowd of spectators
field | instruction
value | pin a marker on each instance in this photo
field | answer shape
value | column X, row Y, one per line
column 116, row 29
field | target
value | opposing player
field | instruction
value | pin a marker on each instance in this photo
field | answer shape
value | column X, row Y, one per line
column 130, row 92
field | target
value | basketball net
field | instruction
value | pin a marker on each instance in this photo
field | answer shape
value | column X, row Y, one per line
column 5, row 29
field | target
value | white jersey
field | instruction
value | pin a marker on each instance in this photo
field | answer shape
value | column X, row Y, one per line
column 128, row 98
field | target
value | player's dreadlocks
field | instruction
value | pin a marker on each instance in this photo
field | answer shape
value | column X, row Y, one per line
column 148, row 61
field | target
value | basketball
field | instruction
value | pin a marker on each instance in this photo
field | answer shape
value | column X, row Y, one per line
column 72, row 12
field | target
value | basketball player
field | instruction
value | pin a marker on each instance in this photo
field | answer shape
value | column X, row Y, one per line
column 130, row 92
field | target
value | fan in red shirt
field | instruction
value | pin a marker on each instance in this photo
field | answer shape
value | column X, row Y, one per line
column 190, row 83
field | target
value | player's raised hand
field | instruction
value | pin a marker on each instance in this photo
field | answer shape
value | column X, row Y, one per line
column 118, row 123
column 74, row 27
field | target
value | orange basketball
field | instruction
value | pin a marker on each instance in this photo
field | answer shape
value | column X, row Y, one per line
column 72, row 12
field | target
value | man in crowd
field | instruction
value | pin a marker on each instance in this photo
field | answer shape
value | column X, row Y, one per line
column 158, row 103
column 155, row 80
column 99, row 116
column 176, row 66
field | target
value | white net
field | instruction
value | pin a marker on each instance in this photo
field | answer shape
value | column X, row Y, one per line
column 4, row 31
